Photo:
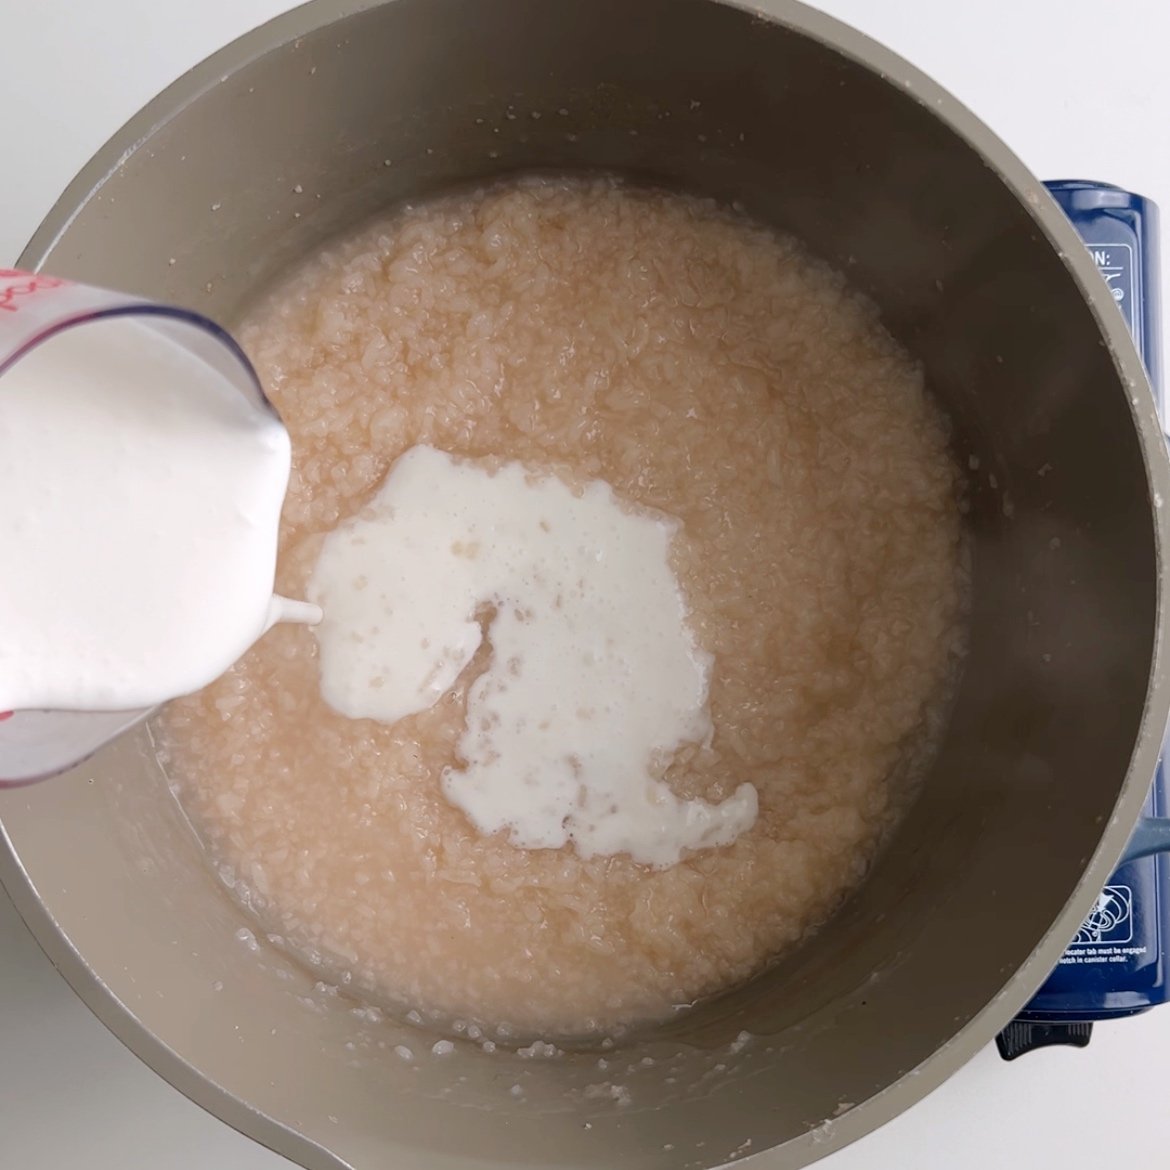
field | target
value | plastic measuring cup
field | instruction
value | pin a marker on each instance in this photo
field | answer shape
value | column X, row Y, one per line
column 35, row 308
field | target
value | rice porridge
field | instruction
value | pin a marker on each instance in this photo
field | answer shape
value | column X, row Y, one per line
column 696, row 367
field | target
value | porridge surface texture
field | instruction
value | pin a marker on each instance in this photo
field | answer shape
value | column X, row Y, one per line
column 705, row 367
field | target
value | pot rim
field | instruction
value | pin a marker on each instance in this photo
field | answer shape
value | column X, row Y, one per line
column 981, row 1029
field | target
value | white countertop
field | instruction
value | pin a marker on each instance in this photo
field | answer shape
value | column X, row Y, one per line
column 1079, row 88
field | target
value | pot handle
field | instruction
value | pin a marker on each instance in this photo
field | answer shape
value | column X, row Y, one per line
column 1151, row 836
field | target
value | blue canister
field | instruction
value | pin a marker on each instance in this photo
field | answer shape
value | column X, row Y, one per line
column 1115, row 966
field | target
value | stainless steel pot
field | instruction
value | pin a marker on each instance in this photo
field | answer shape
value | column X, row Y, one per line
column 345, row 106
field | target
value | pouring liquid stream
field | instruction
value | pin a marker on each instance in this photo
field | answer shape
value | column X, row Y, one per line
column 142, row 488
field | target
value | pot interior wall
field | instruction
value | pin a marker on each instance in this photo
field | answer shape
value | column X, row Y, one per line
column 395, row 101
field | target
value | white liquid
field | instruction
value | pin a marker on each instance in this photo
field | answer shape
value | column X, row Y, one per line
column 140, row 495
column 594, row 678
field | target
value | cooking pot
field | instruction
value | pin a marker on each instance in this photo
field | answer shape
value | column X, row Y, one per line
column 343, row 107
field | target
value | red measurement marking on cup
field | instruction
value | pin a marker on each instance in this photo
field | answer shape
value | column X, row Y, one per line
column 14, row 284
